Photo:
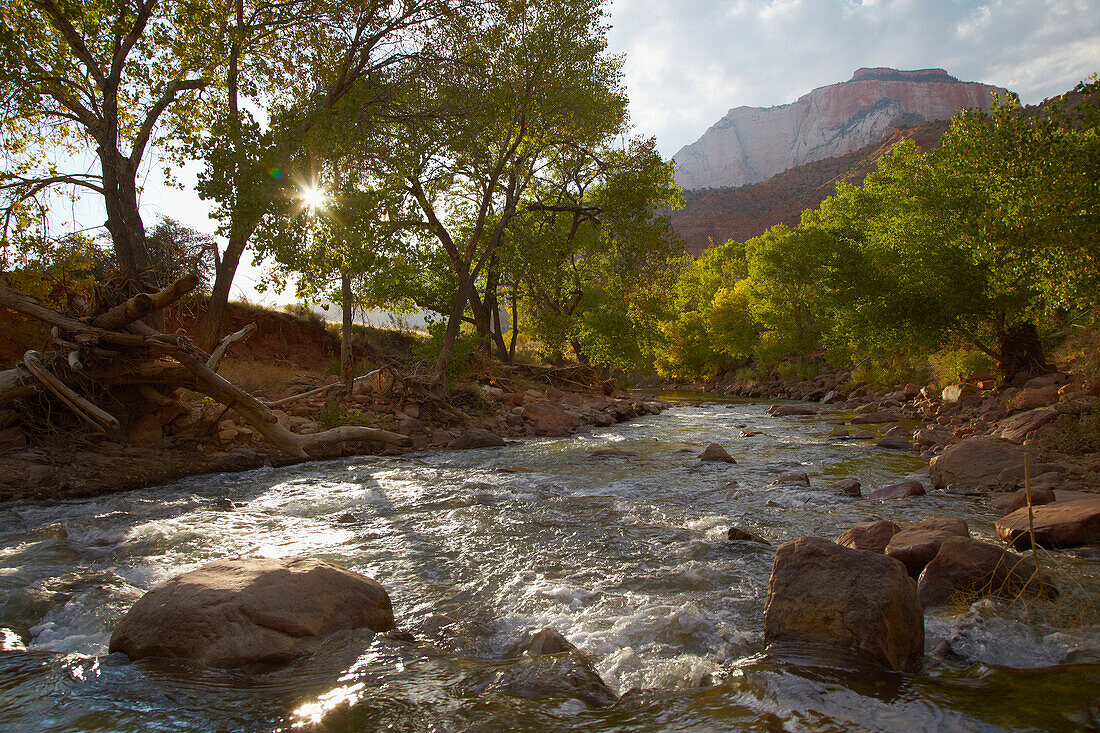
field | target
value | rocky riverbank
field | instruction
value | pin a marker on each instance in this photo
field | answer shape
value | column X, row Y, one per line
column 185, row 439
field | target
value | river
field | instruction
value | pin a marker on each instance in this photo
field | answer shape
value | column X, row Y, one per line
column 626, row 556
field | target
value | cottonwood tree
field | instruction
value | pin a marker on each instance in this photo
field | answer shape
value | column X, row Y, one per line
column 313, row 57
column 105, row 81
column 534, row 78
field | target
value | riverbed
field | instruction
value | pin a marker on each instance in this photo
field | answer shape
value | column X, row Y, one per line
column 625, row 555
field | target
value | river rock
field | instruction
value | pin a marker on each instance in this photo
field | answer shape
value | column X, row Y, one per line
column 875, row 418
column 735, row 534
column 900, row 490
column 975, row 464
column 1030, row 398
column 895, row 442
column 791, row 478
column 549, row 417
column 233, row 613
column 929, row 437
column 1040, row 495
column 955, row 392
column 792, row 410
column 1058, row 525
column 614, row 452
column 548, row 641
column 568, row 674
column 715, row 452
column 915, row 547
column 476, row 438
column 964, row 568
column 1018, row 427
column 847, row 486
column 872, row 537
column 823, row 593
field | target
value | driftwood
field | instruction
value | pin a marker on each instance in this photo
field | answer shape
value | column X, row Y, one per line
column 116, row 349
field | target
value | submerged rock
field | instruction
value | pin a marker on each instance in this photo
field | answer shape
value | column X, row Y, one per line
column 965, row 568
column 715, row 452
column 872, row 537
column 791, row 478
column 791, row 410
column 233, row 613
column 734, row 534
column 847, row 486
column 1057, row 525
column 823, row 593
column 548, row 641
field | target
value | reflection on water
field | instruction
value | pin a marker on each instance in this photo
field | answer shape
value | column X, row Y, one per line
column 624, row 555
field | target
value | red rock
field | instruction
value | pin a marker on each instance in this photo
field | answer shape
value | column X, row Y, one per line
column 823, row 593
column 1030, row 398
column 901, row 490
column 549, row 417
column 875, row 418
column 915, row 547
column 964, row 568
column 975, row 463
column 872, row 537
column 1058, row 525
column 789, row 410
column 233, row 613
column 715, row 452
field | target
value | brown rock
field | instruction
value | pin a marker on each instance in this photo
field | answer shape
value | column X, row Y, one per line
column 715, row 452
column 792, row 477
column 233, row 613
column 895, row 442
column 611, row 452
column 549, row 417
column 821, row 592
column 900, row 490
column 548, row 641
column 875, row 418
column 955, row 392
column 476, row 438
column 12, row 439
column 1057, row 525
column 872, row 537
column 1019, row 426
column 1040, row 495
column 964, row 568
column 975, row 463
column 915, row 547
column 1030, row 398
column 734, row 534
column 848, row 487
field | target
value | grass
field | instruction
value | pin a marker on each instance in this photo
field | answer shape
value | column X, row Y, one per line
column 258, row 375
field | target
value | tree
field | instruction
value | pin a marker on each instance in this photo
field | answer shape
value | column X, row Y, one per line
column 534, row 80
column 313, row 57
column 103, row 79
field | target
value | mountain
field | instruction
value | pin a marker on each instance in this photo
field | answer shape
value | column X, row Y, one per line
column 752, row 144
column 716, row 215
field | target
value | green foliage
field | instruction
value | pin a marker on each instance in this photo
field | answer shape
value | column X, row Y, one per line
column 465, row 345
column 333, row 415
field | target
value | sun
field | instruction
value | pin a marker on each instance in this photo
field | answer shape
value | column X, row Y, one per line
column 313, row 198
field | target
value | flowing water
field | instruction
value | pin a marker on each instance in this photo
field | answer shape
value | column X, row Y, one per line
column 625, row 556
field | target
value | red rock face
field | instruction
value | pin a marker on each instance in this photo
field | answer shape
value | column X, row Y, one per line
column 752, row 144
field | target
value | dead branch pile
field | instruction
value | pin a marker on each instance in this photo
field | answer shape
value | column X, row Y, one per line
column 112, row 358
column 575, row 378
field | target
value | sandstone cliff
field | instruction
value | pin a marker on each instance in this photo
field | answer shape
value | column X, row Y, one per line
column 752, row 144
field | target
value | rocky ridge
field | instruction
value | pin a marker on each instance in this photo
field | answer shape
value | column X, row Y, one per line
column 752, row 144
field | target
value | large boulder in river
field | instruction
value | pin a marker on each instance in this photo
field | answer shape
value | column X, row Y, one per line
column 915, row 547
column 1058, row 525
column 872, row 537
column 233, row 613
column 965, row 568
column 900, row 490
column 975, row 464
column 823, row 593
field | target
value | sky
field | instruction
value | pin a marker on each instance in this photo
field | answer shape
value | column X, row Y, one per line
column 688, row 62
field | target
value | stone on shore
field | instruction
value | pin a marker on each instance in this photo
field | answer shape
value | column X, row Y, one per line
column 916, row 546
column 1009, row 503
column 965, row 568
column 1058, row 525
column 875, row 418
column 476, row 438
column 900, row 490
column 871, row 537
column 975, row 464
column 715, row 452
column 823, row 593
column 549, row 417
column 1018, row 427
column 234, row 613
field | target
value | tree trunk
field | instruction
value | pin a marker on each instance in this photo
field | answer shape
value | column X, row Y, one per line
column 515, row 325
column 347, row 367
column 578, row 351
column 1021, row 354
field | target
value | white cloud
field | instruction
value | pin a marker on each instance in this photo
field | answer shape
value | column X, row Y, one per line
column 690, row 61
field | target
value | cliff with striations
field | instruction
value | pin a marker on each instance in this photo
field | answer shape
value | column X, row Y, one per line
column 752, row 144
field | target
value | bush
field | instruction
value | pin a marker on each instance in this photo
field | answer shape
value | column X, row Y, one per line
column 465, row 344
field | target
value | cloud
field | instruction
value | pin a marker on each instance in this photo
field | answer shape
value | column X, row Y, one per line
column 690, row 61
